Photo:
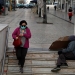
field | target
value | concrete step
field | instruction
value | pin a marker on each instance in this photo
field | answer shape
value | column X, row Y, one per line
column 31, row 49
column 33, row 71
column 40, row 73
column 43, row 55
column 37, row 62
column 17, row 69
column 42, row 64
column 14, row 69
column 29, row 58
column 37, row 59
column 48, row 70
column 35, row 51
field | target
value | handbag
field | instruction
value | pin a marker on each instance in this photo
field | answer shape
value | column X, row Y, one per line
column 70, row 14
column 17, row 42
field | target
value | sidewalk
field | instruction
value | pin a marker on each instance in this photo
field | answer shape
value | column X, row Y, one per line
column 61, row 14
column 42, row 34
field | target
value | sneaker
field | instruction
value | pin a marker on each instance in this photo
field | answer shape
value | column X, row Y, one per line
column 64, row 65
column 56, row 69
column 21, row 69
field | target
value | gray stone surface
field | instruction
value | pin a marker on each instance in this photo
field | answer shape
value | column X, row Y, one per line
column 42, row 34
column 61, row 14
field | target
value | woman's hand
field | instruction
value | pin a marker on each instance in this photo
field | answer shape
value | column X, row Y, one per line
column 16, row 38
column 21, row 34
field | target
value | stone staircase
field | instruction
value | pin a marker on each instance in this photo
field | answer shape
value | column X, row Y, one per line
column 38, row 62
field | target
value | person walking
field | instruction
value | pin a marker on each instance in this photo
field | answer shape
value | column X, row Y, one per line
column 65, row 54
column 70, row 13
column 55, row 7
column 24, row 33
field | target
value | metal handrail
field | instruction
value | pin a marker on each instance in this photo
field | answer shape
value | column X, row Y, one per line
column 4, row 55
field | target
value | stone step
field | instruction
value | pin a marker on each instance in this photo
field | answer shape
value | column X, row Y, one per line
column 43, row 55
column 40, row 66
column 41, row 70
column 18, row 73
column 17, row 69
column 54, row 74
column 29, row 58
column 37, row 62
column 16, row 61
column 11, row 61
column 31, row 49
column 36, row 52
column 32, row 66
column 33, row 62
column 9, row 73
column 37, row 58
column 48, row 70
column 47, row 52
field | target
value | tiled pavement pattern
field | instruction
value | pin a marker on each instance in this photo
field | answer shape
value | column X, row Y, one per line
column 39, row 60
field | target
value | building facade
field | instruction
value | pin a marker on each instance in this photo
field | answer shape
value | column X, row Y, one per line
column 62, row 5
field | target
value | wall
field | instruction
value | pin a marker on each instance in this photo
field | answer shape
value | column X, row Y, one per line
column 3, row 33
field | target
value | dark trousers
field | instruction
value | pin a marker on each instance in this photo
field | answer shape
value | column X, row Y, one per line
column 21, row 54
column 65, row 56
column 70, row 18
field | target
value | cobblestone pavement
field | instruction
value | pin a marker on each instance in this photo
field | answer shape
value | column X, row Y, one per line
column 42, row 34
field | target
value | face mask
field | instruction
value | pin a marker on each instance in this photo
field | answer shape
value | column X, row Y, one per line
column 23, row 27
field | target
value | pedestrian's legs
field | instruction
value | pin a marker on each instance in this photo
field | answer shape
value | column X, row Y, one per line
column 65, row 56
column 69, row 56
column 70, row 17
column 55, row 8
column 61, row 59
column 18, row 53
column 23, row 55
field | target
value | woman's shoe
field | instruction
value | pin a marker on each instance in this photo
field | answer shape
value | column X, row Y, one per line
column 21, row 69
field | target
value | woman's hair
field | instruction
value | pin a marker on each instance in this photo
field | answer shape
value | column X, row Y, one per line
column 23, row 21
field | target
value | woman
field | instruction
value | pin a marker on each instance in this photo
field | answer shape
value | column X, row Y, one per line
column 24, row 33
